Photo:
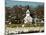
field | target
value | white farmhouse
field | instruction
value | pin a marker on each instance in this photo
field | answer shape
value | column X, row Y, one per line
column 28, row 18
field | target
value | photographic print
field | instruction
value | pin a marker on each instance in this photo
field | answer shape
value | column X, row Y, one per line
column 22, row 17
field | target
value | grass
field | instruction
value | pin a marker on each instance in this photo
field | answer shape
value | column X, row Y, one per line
column 25, row 25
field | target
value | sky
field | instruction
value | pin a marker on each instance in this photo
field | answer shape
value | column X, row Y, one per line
column 10, row 3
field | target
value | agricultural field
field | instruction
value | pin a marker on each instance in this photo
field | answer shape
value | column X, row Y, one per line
column 25, row 25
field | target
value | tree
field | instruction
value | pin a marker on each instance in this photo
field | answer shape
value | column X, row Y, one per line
column 40, row 11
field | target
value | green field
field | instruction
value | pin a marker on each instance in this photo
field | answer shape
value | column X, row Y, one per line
column 25, row 25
